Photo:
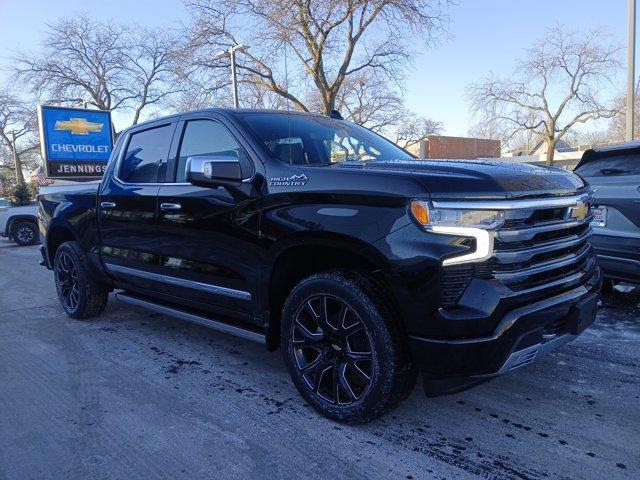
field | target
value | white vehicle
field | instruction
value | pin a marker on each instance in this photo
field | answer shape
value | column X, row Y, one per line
column 19, row 223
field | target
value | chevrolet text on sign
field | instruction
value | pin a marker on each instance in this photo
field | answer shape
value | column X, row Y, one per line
column 76, row 143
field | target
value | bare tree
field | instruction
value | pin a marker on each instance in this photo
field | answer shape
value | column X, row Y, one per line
column 520, row 142
column 592, row 138
column 554, row 88
column 108, row 65
column 414, row 128
column 18, row 134
column 618, row 124
column 148, row 63
column 80, row 59
column 366, row 99
column 324, row 44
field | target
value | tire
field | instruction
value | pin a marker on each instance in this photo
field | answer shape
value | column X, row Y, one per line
column 607, row 287
column 79, row 295
column 24, row 233
column 344, row 347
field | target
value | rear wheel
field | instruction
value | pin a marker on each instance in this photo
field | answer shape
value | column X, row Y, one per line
column 343, row 347
column 79, row 295
column 24, row 233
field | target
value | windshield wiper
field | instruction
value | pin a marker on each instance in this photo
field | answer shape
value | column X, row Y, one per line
column 613, row 171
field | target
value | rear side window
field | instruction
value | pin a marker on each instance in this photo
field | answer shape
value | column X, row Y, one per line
column 608, row 166
column 146, row 156
column 209, row 138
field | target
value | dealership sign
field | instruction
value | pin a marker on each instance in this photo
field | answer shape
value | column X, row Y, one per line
column 76, row 143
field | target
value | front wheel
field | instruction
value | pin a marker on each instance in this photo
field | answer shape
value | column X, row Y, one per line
column 344, row 348
column 79, row 295
column 25, row 233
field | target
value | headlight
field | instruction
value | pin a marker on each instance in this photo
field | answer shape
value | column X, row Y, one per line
column 450, row 217
column 478, row 224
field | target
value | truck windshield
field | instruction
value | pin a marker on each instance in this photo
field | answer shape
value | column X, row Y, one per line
column 315, row 140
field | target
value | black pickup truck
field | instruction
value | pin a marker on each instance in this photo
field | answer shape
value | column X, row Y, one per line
column 309, row 233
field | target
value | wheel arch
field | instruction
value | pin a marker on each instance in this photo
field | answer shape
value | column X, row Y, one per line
column 56, row 236
column 303, row 255
column 11, row 221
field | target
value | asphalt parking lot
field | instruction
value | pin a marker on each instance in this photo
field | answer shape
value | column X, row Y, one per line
column 134, row 394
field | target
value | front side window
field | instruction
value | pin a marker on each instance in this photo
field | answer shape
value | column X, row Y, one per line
column 315, row 140
column 209, row 138
column 146, row 156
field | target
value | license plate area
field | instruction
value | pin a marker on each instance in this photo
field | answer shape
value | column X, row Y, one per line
column 599, row 217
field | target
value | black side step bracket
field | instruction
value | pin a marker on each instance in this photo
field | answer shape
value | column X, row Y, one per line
column 190, row 317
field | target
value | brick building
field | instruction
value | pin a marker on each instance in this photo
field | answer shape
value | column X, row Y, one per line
column 440, row 146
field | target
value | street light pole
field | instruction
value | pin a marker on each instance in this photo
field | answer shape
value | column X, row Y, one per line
column 234, row 79
column 631, row 68
column 231, row 53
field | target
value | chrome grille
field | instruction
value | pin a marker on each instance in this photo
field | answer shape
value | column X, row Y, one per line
column 535, row 249
column 541, row 250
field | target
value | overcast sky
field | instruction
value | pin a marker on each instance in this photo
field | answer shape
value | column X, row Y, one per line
column 484, row 36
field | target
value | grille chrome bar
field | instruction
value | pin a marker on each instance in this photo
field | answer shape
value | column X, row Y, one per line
column 524, row 234
column 554, row 264
column 525, row 254
column 536, row 203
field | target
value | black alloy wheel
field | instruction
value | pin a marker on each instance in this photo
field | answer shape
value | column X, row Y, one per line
column 344, row 346
column 79, row 294
column 332, row 349
column 66, row 274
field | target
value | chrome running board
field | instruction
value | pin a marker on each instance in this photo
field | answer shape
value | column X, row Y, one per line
column 193, row 318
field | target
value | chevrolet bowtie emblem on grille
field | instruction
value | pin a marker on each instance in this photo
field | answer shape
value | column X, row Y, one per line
column 579, row 212
column 78, row 126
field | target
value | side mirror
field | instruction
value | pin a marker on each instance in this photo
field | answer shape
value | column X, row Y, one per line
column 213, row 171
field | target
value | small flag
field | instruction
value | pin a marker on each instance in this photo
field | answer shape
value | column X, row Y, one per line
column 38, row 176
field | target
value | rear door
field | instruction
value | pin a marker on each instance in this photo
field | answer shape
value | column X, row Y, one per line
column 127, row 205
column 210, row 252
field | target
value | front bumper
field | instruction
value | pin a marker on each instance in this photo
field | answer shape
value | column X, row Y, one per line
column 523, row 335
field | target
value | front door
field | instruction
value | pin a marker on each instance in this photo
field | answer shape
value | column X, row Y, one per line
column 127, row 205
column 210, row 252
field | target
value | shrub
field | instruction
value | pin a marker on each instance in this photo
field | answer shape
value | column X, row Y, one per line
column 21, row 195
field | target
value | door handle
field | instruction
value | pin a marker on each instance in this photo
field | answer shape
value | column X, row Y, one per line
column 168, row 207
column 108, row 204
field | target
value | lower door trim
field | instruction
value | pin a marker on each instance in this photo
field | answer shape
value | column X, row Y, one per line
column 207, row 287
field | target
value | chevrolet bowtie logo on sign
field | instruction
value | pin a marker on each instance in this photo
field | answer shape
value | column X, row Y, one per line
column 579, row 212
column 78, row 126
column 76, row 143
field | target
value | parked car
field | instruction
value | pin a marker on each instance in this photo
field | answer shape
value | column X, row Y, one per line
column 318, row 236
column 19, row 224
column 614, row 173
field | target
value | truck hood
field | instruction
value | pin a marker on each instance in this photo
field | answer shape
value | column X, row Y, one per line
column 478, row 179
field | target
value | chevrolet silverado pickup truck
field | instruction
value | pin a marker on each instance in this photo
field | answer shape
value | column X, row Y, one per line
column 362, row 263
